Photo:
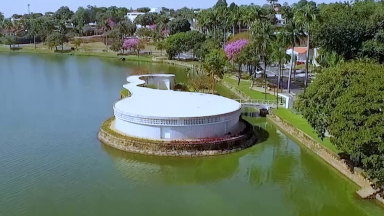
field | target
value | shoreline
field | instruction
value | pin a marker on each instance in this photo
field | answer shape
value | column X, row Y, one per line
column 332, row 159
column 109, row 55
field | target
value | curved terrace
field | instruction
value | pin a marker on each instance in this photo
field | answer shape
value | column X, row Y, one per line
column 156, row 103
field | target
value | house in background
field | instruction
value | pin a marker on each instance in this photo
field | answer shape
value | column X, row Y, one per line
column 156, row 10
column 132, row 16
column 280, row 21
column 300, row 53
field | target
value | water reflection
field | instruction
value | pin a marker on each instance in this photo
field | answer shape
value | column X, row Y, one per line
column 165, row 170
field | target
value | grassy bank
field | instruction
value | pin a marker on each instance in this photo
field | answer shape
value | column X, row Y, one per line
column 31, row 50
column 244, row 87
column 299, row 122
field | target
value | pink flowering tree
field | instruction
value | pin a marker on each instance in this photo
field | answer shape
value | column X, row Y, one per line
column 165, row 32
column 111, row 23
column 232, row 49
column 133, row 44
column 153, row 27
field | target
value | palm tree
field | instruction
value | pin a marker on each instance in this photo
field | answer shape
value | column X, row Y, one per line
column 34, row 25
column 106, row 27
column 233, row 19
column 162, row 21
column 295, row 34
column 263, row 33
column 279, row 54
column 306, row 17
column 252, row 13
column 7, row 25
column 239, row 16
column 215, row 19
column 225, row 19
column 1, row 17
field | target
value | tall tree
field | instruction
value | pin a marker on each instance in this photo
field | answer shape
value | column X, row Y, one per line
column 33, row 28
column 306, row 17
column 47, row 26
column 80, row 18
column 221, row 3
column 295, row 35
column 263, row 33
column 62, row 29
column 1, row 17
column 107, row 25
column 279, row 55
column 8, row 26
column 64, row 13
column 215, row 64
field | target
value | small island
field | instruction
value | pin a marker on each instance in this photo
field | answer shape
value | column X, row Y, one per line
column 156, row 120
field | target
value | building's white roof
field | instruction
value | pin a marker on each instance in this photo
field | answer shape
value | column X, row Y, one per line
column 146, row 102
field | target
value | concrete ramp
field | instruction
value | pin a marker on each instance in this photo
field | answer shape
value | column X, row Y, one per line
column 368, row 193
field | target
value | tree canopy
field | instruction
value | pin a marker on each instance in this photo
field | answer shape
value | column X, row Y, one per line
column 347, row 102
column 179, row 25
column 143, row 9
column 350, row 29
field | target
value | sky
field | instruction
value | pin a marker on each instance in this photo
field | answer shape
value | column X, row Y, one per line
column 9, row 7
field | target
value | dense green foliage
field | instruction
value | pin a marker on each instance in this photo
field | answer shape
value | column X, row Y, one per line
column 184, row 42
column 215, row 65
column 179, row 25
column 9, row 40
column 55, row 39
column 146, row 19
column 143, row 9
column 347, row 101
column 351, row 30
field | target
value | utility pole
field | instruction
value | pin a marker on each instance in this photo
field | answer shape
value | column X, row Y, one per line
column 29, row 11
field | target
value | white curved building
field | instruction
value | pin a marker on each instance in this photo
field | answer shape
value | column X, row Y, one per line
column 166, row 114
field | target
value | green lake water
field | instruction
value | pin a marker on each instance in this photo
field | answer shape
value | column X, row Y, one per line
column 51, row 162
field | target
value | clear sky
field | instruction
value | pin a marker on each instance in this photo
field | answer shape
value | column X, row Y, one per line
column 9, row 7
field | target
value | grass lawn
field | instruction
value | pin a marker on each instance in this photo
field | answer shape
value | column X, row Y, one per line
column 302, row 124
column 244, row 87
column 43, row 50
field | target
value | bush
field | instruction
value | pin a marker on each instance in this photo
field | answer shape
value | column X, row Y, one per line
column 77, row 43
column 199, row 83
column 116, row 45
column 180, row 87
column 9, row 40
column 144, row 32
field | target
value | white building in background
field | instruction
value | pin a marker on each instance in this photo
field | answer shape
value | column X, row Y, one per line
column 162, row 113
column 279, row 19
column 156, row 10
column 132, row 15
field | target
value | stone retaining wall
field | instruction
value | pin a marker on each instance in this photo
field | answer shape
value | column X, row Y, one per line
column 330, row 157
column 178, row 149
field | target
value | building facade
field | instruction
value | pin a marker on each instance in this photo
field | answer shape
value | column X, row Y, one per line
column 162, row 113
